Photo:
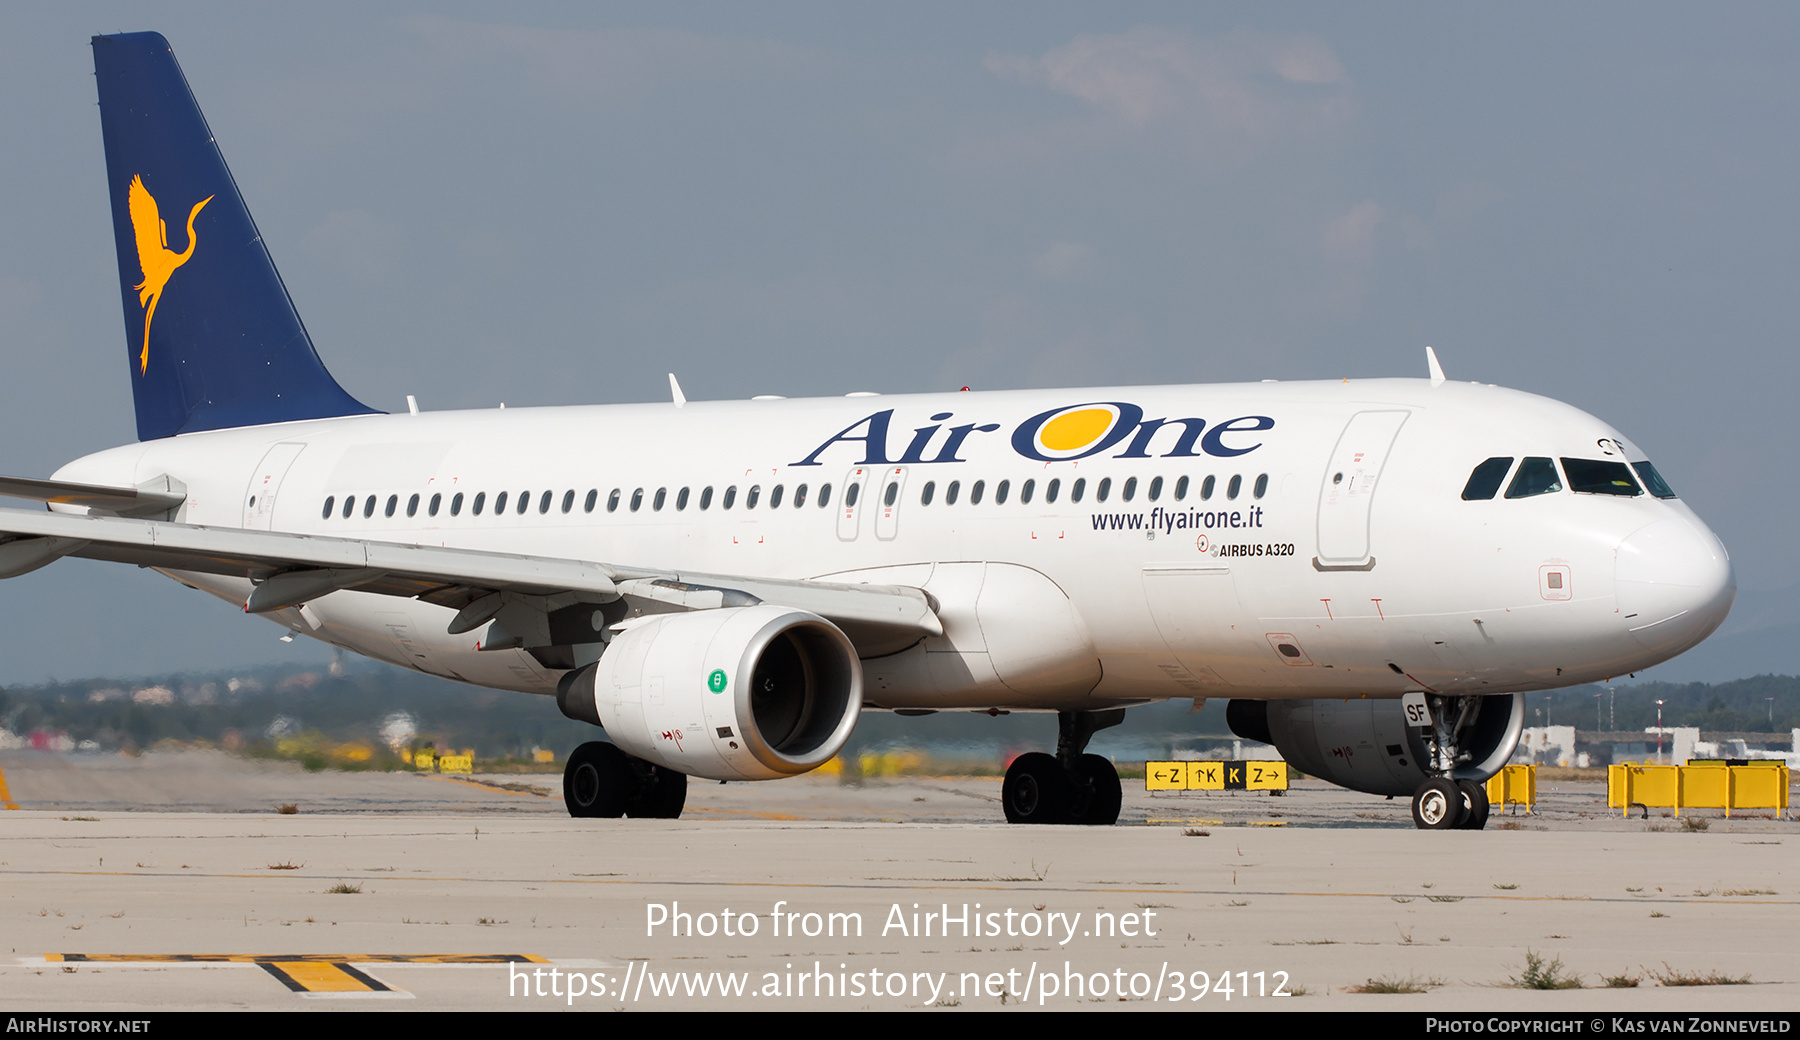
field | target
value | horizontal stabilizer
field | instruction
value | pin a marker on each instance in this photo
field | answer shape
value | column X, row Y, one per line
column 159, row 496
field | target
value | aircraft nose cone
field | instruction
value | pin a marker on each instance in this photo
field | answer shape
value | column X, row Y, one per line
column 1674, row 584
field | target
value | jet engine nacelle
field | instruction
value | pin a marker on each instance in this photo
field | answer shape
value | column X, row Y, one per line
column 1366, row 745
column 745, row 693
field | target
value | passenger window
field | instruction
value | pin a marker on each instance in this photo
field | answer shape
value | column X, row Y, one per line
column 1076, row 491
column 637, row 500
column 1103, row 490
column 524, row 502
column 1232, row 489
column 754, row 494
column 349, row 505
column 799, row 496
column 1484, row 479
column 456, row 504
column 975, row 492
column 662, row 495
column 925, row 495
column 730, row 497
column 1000, row 491
column 951, row 492
column 480, row 500
column 824, row 495
column 436, row 500
column 1653, row 480
column 569, row 500
column 1155, row 488
column 1536, row 476
column 775, row 497
column 893, row 493
column 393, row 503
column 1598, row 477
column 412, row 506
column 1129, row 491
column 851, row 494
column 1206, row 489
column 1262, row 485
column 706, row 498
column 593, row 496
column 1050, row 491
column 681, row 499
column 1025, row 492
column 544, row 502
column 612, row 501
column 500, row 503
column 330, row 501
column 1181, row 487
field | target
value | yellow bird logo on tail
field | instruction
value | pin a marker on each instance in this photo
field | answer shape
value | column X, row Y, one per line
column 154, row 255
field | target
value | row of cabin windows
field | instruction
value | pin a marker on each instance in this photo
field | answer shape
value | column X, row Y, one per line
column 753, row 496
column 1078, row 490
column 546, row 500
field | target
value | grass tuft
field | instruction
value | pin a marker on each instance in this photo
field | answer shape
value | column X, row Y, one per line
column 1541, row 975
column 343, row 889
column 1674, row 977
column 1395, row 984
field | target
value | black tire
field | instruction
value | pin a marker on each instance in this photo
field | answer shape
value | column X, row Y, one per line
column 1035, row 791
column 1438, row 805
column 1104, row 793
column 1475, row 805
column 597, row 781
column 663, row 795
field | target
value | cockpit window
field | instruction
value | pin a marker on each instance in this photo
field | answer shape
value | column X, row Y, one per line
column 1600, row 477
column 1536, row 476
column 1484, row 483
column 1653, row 480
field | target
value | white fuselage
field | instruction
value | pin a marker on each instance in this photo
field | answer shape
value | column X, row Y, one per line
column 1283, row 568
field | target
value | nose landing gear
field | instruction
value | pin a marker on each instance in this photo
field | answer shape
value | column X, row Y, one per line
column 1443, row 804
column 1071, row 786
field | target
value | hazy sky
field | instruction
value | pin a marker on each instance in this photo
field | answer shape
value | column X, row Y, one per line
column 560, row 203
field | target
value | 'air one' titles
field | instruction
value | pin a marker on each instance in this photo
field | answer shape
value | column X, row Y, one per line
column 1059, row 435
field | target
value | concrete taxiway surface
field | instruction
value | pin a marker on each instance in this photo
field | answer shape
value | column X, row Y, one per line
column 403, row 892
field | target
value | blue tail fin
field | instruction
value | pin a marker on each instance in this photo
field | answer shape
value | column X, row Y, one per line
column 213, row 339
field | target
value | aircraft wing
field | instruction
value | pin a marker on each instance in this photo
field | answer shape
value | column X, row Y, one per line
column 523, row 592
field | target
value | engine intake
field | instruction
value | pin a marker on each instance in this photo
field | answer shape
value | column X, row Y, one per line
column 747, row 693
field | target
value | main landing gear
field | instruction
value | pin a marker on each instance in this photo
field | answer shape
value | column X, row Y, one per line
column 601, row 780
column 1070, row 786
column 1443, row 804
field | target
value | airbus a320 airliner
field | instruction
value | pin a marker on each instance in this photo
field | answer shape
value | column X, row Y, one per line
column 1373, row 572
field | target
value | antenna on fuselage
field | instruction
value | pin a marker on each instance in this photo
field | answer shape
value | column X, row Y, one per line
column 675, row 391
column 1431, row 364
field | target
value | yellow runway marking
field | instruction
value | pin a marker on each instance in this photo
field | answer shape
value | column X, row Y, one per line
column 309, row 974
column 488, row 787
column 319, row 977
column 5, row 795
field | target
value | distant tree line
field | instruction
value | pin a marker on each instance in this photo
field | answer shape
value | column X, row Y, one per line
column 377, row 705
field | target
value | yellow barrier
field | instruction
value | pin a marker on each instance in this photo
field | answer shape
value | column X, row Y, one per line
column 1215, row 776
column 1514, row 785
column 1699, row 785
column 456, row 764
